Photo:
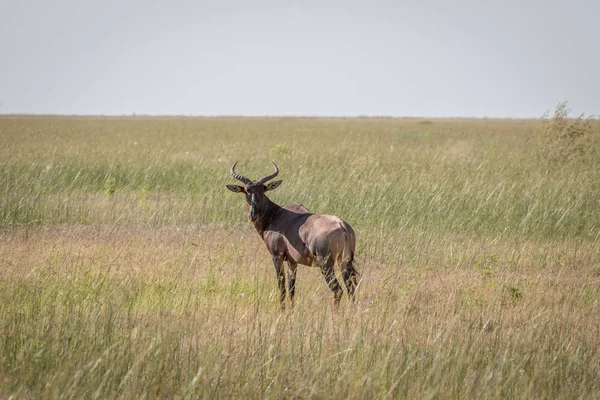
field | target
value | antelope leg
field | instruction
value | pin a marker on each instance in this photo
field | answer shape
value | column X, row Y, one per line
column 278, row 263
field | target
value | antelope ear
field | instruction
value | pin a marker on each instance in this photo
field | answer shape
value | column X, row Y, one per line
column 273, row 185
column 235, row 188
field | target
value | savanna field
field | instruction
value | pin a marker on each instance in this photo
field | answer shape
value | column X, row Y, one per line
column 128, row 270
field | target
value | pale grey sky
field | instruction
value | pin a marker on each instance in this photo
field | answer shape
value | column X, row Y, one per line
column 400, row 58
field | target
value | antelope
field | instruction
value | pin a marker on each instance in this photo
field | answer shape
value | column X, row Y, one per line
column 297, row 236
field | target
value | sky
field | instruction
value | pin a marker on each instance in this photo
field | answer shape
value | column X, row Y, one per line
column 429, row 58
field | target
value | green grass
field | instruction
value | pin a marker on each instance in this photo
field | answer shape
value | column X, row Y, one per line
column 128, row 270
column 473, row 177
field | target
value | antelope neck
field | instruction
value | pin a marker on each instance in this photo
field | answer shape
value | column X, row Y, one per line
column 265, row 214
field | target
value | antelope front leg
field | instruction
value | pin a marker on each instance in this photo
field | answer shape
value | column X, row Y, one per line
column 278, row 263
column 292, row 266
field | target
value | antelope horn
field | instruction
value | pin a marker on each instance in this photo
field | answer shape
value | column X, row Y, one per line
column 269, row 177
column 239, row 177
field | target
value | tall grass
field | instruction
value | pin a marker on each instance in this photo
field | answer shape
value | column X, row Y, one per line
column 128, row 270
column 474, row 177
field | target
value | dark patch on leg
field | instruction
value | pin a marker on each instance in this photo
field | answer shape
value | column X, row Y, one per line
column 279, row 273
column 350, row 276
column 292, row 280
column 332, row 282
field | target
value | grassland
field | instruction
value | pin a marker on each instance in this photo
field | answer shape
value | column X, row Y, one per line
column 128, row 270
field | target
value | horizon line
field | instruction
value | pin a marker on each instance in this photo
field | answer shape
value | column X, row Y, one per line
column 266, row 116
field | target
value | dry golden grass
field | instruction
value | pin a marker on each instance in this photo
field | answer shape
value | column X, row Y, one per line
column 509, row 317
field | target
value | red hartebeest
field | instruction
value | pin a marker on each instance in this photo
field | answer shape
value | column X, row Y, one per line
column 295, row 235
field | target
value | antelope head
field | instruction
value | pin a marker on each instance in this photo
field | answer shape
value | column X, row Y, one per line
column 254, row 190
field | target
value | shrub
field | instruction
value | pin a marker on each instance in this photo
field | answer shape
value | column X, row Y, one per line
column 565, row 140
